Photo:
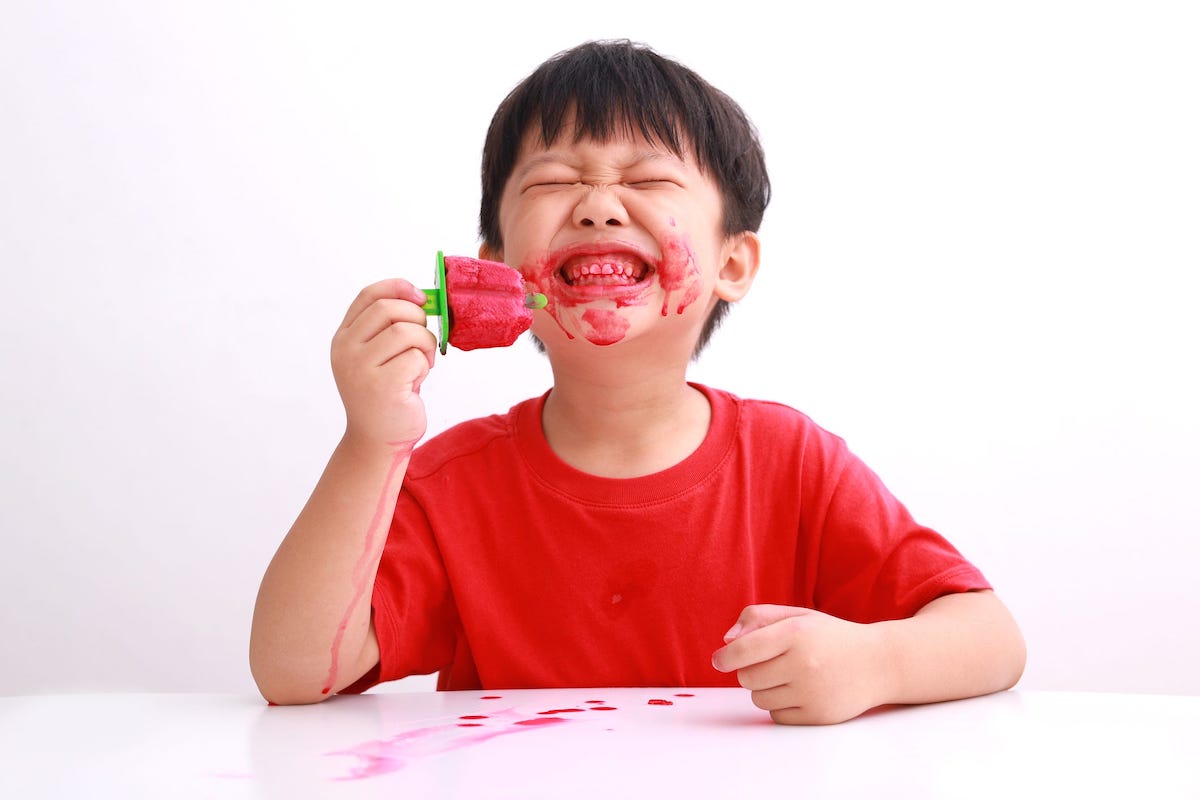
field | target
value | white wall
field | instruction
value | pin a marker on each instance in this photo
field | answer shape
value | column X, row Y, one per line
column 980, row 268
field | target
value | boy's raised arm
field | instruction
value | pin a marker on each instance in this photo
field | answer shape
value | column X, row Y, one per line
column 312, row 633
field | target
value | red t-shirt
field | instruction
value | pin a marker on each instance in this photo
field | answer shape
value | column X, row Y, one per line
column 507, row 568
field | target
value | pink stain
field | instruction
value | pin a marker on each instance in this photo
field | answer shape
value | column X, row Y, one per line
column 384, row 756
column 605, row 327
column 675, row 271
column 362, row 566
column 678, row 272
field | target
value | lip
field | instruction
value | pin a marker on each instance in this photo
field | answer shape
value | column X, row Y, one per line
column 558, row 258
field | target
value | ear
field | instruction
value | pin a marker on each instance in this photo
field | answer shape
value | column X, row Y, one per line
column 488, row 254
column 741, row 253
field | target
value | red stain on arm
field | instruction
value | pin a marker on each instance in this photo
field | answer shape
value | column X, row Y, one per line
column 362, row 567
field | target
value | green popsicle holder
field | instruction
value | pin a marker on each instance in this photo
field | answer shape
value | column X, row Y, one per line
column 437, row 304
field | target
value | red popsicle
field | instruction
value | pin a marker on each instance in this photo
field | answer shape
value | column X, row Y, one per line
column 481, row 303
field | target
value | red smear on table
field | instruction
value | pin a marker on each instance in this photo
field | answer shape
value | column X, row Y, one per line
column 491, row 697
column 594, row 702
column 658, row 702
column 382, row 756
column 363, row 567
column 684, row 694
column 561, row 711
column 603, row 708
column 473, row 716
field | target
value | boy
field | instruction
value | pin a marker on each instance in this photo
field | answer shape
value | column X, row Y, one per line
column 611, row 531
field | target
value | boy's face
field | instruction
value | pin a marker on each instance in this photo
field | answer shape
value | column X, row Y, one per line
column 623, row 237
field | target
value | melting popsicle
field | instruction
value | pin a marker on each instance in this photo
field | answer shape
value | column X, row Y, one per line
column 481, row 303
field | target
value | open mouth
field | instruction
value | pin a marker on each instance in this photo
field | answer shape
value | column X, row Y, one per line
column 610, row 269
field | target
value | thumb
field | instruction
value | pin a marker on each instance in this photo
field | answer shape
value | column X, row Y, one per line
column 760, row 616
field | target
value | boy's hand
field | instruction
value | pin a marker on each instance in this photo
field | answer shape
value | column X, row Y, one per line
column 381, row 354
column 805, row 667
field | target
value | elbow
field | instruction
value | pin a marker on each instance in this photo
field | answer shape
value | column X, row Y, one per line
column 284, row 692
column 283, row 686
column 1017, row 653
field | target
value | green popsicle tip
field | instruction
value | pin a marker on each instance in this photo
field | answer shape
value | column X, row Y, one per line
column 535, row 300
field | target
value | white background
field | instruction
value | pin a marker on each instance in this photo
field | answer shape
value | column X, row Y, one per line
column 979, row 268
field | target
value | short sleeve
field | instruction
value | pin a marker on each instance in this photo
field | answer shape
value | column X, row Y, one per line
column 875, row 561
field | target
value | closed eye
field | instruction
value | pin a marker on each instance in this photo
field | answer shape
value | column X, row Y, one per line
column 550, row 185
column 654, row 183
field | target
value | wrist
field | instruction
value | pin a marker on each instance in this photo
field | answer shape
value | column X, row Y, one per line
column 887, row 661
column 365, row 449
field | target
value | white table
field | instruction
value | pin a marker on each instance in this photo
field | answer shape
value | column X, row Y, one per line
column 619, row 744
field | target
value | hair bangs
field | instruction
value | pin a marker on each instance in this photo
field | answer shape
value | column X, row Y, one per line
column 605, row 101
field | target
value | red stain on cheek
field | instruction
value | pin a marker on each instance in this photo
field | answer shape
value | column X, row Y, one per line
column 604, row 327
column 540, row 275
column 678, row 272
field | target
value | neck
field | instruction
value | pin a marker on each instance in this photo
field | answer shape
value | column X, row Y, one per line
column 614, row 420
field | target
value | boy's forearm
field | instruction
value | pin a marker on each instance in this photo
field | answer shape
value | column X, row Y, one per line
column 312, row 615
column 957, row 646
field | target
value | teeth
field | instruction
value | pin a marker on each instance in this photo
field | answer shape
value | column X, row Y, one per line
column 602, row 273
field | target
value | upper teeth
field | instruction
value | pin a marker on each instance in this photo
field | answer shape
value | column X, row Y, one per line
column 598, row 268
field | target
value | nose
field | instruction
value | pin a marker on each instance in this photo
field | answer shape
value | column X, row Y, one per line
column 600, row 206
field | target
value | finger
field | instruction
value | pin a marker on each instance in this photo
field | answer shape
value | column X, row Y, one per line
column 392, row 288
column 776, row 698
column 759, row 616
column 411, row 365
column 810, row 714
column 767, row 674
column 381, row 314
column 398, row 339
column 755, row 647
